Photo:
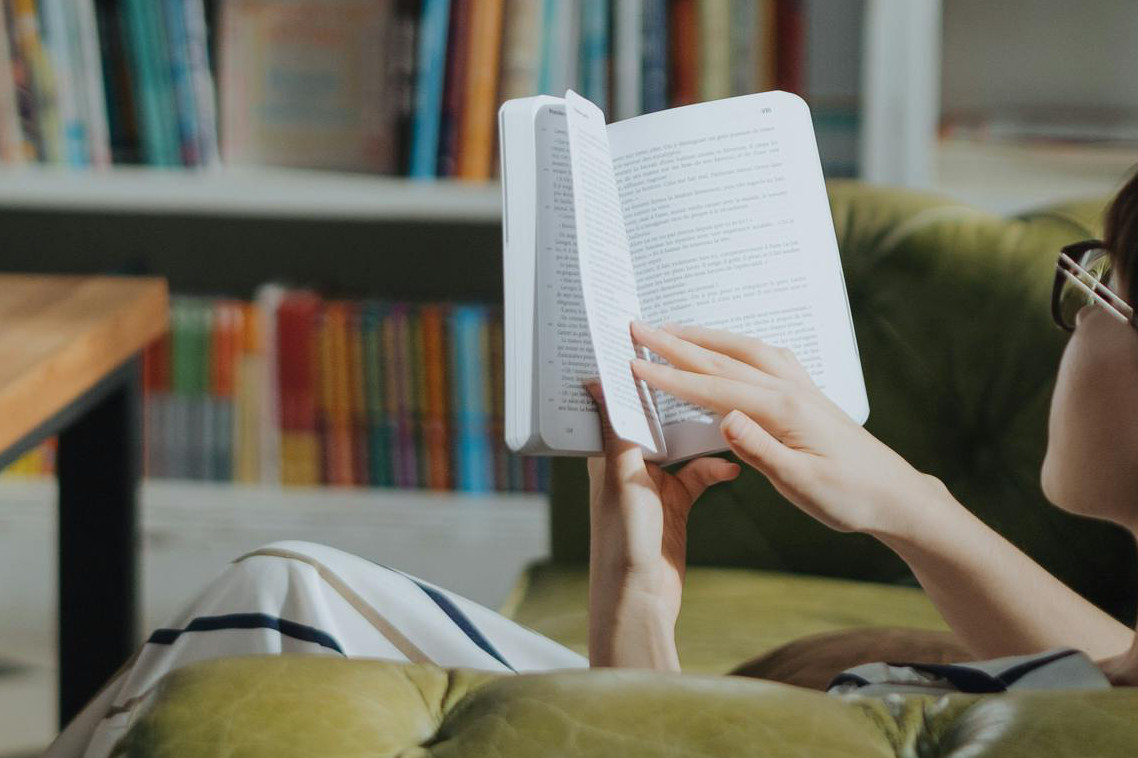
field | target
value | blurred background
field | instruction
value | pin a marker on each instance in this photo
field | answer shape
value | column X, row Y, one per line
column 322, row 172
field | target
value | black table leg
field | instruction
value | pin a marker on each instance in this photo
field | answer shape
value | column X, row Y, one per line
column 99, row 467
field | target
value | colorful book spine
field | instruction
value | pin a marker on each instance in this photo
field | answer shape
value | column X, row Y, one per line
column 33, row 82
column 199, row 74
column 790, row 55
column 655, row 56
column 250, row 381
column 431, row 68
column 454, row 88
column 173, row 15
column 376, row 362
column 145, row 40
column 628, row 58
column 436, row 411
column 357, row 400
column 683, row 46
column 595, row 51
column 11, row 134
column 473, row 463
column 480, row 102
column 402, row 38
column 55, row 17
column 297, row 357
column 521, row 49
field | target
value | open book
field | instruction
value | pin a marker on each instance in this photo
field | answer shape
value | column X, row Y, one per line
column 713, row 214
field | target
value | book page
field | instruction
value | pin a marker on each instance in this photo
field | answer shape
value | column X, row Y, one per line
column 729, row 227
column 568, row 419
column 607, row 279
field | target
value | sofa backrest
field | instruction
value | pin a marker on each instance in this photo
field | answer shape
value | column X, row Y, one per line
column 950, row 305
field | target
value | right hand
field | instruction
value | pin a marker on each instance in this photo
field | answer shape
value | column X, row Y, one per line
column 779, row 422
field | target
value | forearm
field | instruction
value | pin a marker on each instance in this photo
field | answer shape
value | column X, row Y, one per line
column 625, row 633
column 996, row 598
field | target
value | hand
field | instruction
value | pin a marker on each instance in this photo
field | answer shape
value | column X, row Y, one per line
column 779, row 422
column 638, row 524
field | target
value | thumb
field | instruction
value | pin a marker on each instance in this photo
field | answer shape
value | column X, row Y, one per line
column 753, row 444
column 621, row 456
column 701, row 473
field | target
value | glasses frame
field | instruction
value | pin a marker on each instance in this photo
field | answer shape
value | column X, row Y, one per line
column 1067, row 268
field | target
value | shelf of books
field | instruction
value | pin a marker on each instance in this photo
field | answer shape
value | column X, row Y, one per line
column 302, row 391
column 404, row 88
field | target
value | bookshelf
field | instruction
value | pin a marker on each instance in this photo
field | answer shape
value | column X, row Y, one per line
column 264, row 193
column 224, row 231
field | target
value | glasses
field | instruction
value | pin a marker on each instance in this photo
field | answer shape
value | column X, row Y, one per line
column 1081, row 277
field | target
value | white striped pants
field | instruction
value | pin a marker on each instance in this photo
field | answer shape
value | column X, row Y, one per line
column 297, row 597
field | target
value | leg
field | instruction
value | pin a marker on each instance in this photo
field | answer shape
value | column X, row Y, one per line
column 99, row 468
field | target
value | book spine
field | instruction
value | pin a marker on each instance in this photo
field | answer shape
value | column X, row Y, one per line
column 476, row 157
column 402, row 38
column 683, row 44
column 342, row 437
column 454, row 89
column 561, row 35
column 629, row 57
column 12, row 150
column 140, row 41
column 202, row 424
column 496, row 391
column 379, row 449
column 431, row 54
column 790, row 52
column 91, row 75
column 766, row 44
column 744, row 47
column 40, row 118
column 655, row 63
column 57, row 46
column 118, row 88
column 267, row 304
column 173, row 15
column 521, row 49
column 714, row 49
column 357, row 398
column 435, row 410
column 472, row 466
column 201, row 85
column 595, row 52
column 248, row 379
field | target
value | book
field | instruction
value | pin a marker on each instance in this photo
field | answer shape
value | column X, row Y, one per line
column 401, row 35
column 431, row 55
column 560, row 39
column 521, row 49
column 473, row 459
column 715, row 30
column 594, row 53
column 11, row 134
column 476, row 158
column 303, row 84
column 630, row 33
column 654, row 49
column 713, row 214
column 684, row 52
column 459, row 43
column 790, row 52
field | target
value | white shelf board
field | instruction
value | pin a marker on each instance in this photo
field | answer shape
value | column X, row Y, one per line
column 1009, row 178
column 249, row 192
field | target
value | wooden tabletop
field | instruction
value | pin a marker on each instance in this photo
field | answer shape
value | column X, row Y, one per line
column 59, row 335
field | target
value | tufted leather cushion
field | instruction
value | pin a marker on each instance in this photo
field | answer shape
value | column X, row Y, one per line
column 294, row 707
column 950, row 305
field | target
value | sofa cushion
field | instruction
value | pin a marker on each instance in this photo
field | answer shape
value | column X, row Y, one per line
column 728, row 615
column 294, row 707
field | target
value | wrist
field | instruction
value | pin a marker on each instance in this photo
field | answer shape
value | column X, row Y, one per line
column 634, row 631
column 918, row 514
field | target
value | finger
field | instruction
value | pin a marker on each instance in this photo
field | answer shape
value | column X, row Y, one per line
column 702, row 473
column 777, row 361
column 755, row 445
column 715, row 393
column 689, row 356
column 621, row 456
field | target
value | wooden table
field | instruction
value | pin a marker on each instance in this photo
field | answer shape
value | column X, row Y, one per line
column 70, row 365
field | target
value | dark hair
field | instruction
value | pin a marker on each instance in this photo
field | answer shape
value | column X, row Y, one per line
column 1120, row 233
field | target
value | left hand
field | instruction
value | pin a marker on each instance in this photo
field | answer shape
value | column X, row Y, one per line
column 638, row 526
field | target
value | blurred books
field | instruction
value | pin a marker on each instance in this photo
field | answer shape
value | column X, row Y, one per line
column 403, row 87
column 298, row 390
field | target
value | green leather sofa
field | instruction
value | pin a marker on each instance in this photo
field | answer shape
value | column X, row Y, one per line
column 950, row 307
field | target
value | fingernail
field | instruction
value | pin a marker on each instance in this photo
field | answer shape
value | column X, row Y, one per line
column 734, row 424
